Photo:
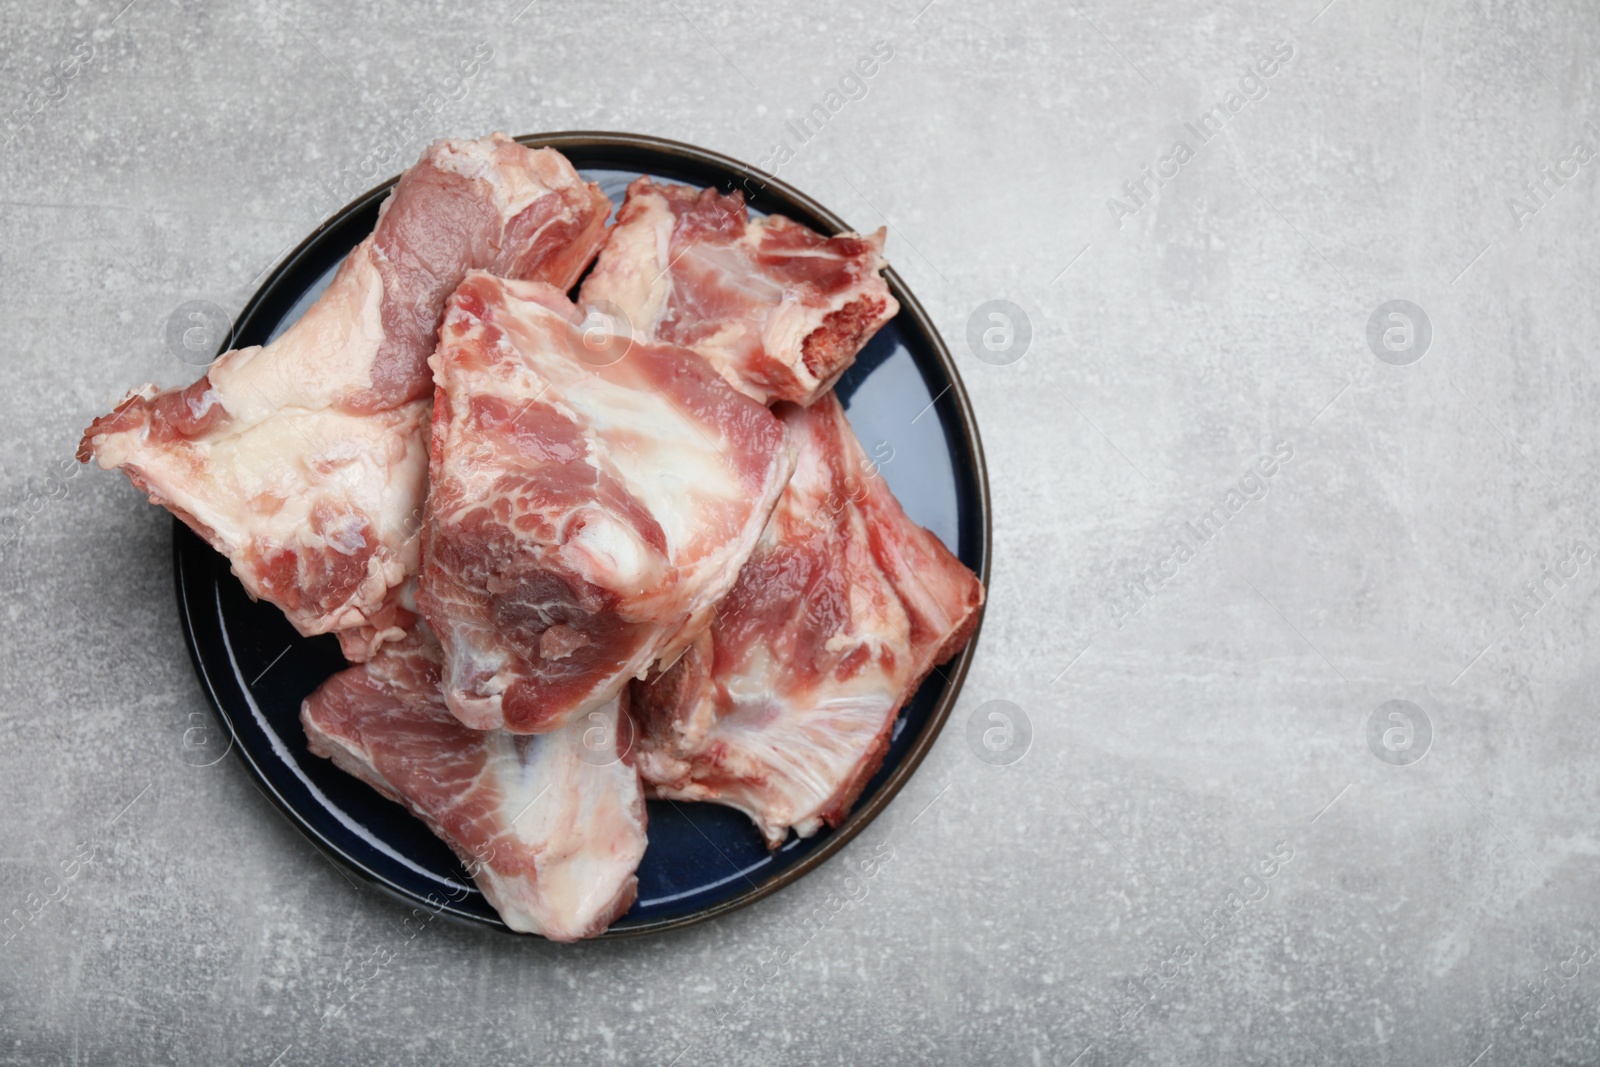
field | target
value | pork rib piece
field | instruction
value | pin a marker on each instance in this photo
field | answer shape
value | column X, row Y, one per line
column 552, row 828
column 305, row 462
column 783, row 709
column 777, row 308
column 591, row 498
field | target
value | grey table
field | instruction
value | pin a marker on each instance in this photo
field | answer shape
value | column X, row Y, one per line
column 1244, row 503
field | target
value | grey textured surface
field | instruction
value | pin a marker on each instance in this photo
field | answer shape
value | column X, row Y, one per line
column 1102, row 900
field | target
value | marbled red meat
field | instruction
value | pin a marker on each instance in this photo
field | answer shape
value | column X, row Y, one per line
column 778, row 309
column 591, row 499
column 551, row 827
column 304, row 461
column 783, row 708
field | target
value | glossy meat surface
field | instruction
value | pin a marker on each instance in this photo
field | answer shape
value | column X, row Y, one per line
column 783, row 708
column 778, row 309
column 305, row 461
column 591, row 498
column 551, row 827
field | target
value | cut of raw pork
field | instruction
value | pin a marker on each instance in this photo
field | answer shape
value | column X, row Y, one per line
column 591, row 498
column 777, row 308
column 305, row 461
column 783, row 708
column 551, row 827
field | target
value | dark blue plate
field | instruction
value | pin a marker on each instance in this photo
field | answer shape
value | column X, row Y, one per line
column 702, row 859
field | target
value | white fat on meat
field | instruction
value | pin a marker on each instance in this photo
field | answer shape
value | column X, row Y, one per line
column 551, row 827
column 780, row 310
column 583, row 519
column 784, row 707
column 305, row 461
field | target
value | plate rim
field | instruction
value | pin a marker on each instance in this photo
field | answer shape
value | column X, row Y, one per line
column 861, row 815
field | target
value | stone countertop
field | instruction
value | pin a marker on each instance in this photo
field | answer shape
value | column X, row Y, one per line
column 1244, row 502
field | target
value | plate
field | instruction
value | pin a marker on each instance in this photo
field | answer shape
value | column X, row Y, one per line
column 703, row 859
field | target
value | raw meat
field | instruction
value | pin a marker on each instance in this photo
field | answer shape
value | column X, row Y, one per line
column 777, row 308
column 783, row 709
column 305, row 462
column 551, row 828
column 591, row 498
